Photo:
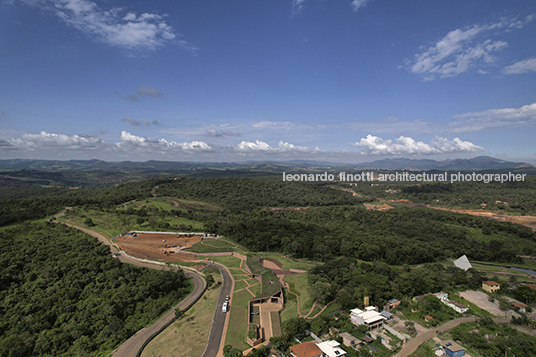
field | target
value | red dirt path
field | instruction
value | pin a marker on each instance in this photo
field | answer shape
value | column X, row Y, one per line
column 150, row 246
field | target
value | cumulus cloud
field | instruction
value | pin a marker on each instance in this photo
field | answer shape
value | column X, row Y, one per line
column 283, row 147
column 496, row 118
column 462, row 49
column 50, row 140
column 525, row 66
column 133, row 141
column 373, row 145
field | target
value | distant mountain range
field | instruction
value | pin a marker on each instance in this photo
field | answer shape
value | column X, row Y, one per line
column 474, row 164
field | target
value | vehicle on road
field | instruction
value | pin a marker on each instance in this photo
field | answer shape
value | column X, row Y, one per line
column 254, row 312
column 224, row 307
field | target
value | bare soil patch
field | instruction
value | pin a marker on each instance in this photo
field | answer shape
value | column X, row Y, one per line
column 529, row 221
column 375, row 207
column 481, row 300
column 151, row 246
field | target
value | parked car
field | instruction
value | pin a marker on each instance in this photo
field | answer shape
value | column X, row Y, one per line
column 224, row 307
column 254, row 312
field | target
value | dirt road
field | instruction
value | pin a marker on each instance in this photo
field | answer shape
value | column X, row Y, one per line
column 412, row 345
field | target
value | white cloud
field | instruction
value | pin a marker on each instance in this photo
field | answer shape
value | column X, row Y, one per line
column 133, row 141
column 256, row 146
column 373, row 145
column 136, row 122
column 49, row 140
column 283, row 147
column 496, row 118
column 357, row 4
column 146, row 32
column 461, row 50
column 527, row 65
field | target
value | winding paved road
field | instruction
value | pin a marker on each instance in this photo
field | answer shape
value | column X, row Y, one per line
column 131, row 347
column 218, row 322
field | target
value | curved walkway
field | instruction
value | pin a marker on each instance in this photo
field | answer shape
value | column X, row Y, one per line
column 412, row 345
column 135, row 344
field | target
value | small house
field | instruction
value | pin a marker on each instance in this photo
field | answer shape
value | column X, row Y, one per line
column 306, row 349
column 452, row 349
column 522, row 307
column 350, row 341
column 490, row 286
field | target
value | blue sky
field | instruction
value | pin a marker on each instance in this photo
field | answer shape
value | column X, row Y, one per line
column 337, row 80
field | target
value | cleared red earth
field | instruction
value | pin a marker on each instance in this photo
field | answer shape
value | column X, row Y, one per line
column 152, row 246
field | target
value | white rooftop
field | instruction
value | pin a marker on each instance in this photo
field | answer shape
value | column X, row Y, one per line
column 331, row 348
column 463, row 263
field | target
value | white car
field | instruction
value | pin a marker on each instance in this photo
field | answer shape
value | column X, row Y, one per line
column 225, row 306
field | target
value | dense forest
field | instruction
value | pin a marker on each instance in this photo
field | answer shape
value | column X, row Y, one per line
column 403, row 235
column 62, row 294
column 235, row 194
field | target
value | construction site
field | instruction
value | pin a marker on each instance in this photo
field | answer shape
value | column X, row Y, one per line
column 170, row 246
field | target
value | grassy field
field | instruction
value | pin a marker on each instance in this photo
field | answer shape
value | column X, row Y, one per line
column 211, row 245
column 290, row 310
column 238, row 323
column 298, row 285
column 113, row 224
column 228, row 260
column 169, row 203
column 187, row 336
column 287, row 264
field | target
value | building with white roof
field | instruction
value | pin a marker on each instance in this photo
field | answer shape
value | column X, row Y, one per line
column 331, row 349
column 463, row 263
column 370, row 317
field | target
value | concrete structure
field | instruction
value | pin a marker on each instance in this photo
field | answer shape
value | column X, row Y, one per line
column 370, row 317
column 350, row 341
column 452, row 349
column 460, row 308
column 462, row 263
column 441, row 295
column 331, row 349
column 386, row 314
column 306, row 349
column 490, row 286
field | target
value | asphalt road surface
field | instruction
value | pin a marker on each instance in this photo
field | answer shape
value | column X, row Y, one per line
column 218, row 322
column 131, row 347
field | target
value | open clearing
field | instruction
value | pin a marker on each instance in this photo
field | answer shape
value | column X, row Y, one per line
column 152, row 245
column 188, row 336
column 481, row 300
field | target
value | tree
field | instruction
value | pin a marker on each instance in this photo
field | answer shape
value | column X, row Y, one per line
column 89, row 222
column 210, row 280
column 179, row 313
column 230, row 351
column 293, row 327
